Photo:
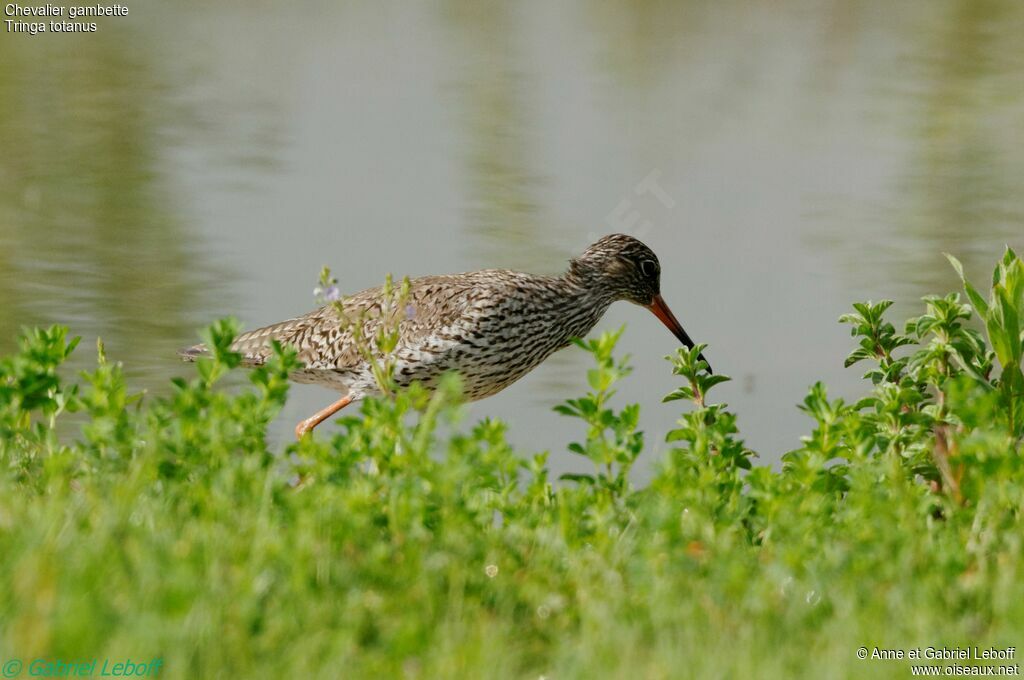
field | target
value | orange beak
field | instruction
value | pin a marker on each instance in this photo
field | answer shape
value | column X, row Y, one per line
column 662, row 311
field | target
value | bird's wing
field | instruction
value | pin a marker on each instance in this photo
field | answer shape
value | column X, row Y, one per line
column 255, row 346
column 324, row 341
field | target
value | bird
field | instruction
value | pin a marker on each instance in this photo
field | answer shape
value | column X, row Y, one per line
column 491, row 326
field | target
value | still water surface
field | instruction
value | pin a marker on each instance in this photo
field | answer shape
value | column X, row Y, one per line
column 198, row 160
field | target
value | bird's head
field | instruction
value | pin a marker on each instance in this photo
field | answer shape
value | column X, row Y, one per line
column 626, row 269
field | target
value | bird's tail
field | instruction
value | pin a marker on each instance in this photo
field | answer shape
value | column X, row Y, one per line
column 192, row 353
column 255, row 346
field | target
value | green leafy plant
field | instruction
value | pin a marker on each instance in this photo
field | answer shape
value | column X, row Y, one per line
column 171, row 525
column 1003, row 316
column 31, row 393
column 613, row 441
column 378, row 349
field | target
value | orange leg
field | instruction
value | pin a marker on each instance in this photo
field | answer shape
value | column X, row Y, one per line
column 309, row 423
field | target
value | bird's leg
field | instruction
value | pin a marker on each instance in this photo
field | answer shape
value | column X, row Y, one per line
column 309, row 423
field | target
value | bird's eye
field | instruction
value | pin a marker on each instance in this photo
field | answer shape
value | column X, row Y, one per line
column 649, row 268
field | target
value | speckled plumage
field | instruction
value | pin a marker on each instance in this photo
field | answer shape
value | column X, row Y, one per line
column 492, row 326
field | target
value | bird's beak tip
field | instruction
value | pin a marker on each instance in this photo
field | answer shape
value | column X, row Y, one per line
column 665, row 315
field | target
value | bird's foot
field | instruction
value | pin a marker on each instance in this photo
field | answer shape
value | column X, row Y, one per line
column 308, row 424
column 305, row 427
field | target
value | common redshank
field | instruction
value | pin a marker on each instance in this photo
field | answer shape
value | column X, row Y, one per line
column 492, row 326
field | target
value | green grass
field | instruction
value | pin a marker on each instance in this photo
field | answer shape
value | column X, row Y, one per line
column 168, row 529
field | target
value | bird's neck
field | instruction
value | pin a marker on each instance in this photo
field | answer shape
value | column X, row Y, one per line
column 588, row 281
column 588, row 299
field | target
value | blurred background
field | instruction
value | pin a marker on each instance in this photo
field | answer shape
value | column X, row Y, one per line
column 198, row 160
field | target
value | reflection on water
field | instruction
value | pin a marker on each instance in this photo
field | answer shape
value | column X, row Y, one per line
column 198, row 161
column 88, row 234
column 964, row 177
column 952, row 136
column 496, row 119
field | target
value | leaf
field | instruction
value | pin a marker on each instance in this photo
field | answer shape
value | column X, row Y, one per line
column 979, row 303
column 679, row 434
column 680, row 393
column 856, row 355
column 566, row 410
column 1011, row 323
column 710, row 381
column 997, row 336
column 579, row 478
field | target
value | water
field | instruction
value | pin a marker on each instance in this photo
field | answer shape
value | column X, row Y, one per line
column 191, row 161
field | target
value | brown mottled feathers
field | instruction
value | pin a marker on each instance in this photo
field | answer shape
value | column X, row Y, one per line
column 492, row 326
column 323, row 342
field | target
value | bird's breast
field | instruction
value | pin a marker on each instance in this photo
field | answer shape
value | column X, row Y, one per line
column 495, row 348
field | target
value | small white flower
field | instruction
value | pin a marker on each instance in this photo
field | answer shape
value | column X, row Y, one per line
column 328, row 293
column 491, row 570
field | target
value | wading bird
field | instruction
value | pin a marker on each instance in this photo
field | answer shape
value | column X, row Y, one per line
column 492, row 326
